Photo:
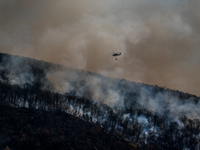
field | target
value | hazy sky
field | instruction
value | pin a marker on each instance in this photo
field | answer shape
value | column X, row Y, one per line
column 159, row 39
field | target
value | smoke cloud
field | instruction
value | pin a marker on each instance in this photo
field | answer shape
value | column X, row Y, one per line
column 16, row 71
column 159, row 39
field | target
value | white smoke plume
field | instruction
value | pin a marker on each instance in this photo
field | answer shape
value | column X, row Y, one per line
column 170, row 105
column 17, row 71
column 116, row 93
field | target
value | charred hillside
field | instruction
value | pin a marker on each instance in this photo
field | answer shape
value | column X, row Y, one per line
column 23, row 129
column 149, row 116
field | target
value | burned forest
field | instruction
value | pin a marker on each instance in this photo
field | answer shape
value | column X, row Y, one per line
column 138, row 115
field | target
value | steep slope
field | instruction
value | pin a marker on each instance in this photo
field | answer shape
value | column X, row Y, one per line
column 23, row 129
column 149, row 116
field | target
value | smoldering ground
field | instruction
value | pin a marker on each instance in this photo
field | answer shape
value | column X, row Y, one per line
column 159, row 40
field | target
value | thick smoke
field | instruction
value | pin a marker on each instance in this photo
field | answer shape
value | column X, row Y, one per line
column 16, row 71
column 93, row 86
column 116, row 93
column 159, row 39
column 169, row 105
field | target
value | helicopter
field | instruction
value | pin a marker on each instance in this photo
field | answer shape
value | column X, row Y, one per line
column 116, row 54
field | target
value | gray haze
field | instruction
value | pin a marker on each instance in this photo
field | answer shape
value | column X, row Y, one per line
column 159, row 39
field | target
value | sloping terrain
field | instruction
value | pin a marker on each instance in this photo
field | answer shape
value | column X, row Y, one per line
column 149, row 116
column 27, row 129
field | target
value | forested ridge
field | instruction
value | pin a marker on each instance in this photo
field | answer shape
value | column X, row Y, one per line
column 30, row 129
column 149, row 116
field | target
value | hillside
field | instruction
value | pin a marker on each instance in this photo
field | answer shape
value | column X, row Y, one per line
column 28, row 129
column 149, row 116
